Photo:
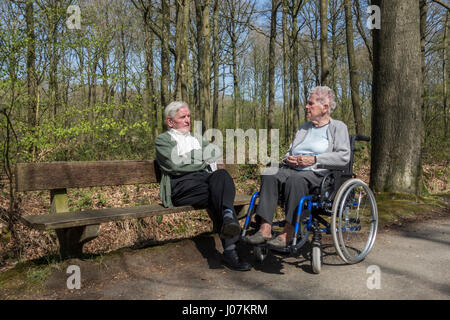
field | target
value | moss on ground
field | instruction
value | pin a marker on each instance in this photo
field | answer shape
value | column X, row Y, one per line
column 396, row 207
column 26, row 277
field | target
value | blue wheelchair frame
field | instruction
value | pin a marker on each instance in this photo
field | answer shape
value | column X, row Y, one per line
column 309, row 222
column 319, row 202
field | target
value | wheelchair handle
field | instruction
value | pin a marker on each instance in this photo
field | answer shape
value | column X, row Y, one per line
column 360, row 137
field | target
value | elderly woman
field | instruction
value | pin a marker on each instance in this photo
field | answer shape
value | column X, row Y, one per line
column 321, row 140
column 189, row 178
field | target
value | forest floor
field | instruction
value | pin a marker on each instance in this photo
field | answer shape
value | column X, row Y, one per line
column 27, row 262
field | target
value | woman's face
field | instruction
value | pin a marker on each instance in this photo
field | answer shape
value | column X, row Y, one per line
column 315, row 110
column 181, row 121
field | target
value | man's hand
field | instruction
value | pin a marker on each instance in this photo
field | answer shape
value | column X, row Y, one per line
column 305, row 161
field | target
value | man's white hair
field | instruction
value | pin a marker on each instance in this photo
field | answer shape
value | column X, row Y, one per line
column 173, row 107
column 325, row 95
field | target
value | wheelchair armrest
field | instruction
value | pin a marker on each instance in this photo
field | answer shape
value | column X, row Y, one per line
column 335, row 168
column 360, row 137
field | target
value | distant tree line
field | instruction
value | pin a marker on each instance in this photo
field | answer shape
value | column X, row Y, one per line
column 98, row 92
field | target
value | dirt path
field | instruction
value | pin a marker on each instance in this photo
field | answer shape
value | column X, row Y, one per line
column 412, row 261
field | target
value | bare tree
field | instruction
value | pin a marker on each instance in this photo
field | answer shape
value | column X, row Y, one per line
column 273, row 30
column 354, row 83
column 325, row 70
column 31, row 64
column 165, row 59
column 204, row 61
column 145, row 7
column 215, row 57
column 181, row 55
column 444, row 75
column 360, row 27
column 238, row 14
column 286, row 104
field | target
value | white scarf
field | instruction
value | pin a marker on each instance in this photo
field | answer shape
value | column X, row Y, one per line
column 185, row 142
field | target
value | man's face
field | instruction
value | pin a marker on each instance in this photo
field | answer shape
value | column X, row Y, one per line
column 181, row 121
column 314, row 109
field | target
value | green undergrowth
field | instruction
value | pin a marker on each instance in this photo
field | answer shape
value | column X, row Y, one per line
column 27, row 277
column 395, row 208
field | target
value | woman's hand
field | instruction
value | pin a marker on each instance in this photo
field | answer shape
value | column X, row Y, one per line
column 292, row 161
column 305, row 161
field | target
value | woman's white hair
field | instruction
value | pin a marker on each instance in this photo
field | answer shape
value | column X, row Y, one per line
column 173, row 107
column 325, row 95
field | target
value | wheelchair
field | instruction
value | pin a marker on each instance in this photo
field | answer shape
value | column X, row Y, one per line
column 343, row 206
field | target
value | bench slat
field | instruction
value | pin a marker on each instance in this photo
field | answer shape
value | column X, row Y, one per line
column 82, row 174
column 59, row 175
column 90, row 217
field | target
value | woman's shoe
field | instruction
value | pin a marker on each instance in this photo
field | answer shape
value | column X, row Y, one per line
column 277, row 243
column 257, row 238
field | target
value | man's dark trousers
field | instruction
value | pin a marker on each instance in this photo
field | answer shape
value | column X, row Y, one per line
column 215, row 190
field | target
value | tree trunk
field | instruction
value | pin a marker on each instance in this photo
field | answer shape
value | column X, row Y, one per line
column 105, row 90
column 324, row 42
column 273, row 30
column 397, row 85
column 294, row 78
column 149, row 82
column 255, row 60
column 236, row 91
column 181, row 55
column 215, row 117
column 305, row 88
column 124, row 84
column 334, row 43
column 54, row 58
column 31, row 64
column 423, row 29
column 353, row 69
column 360, row 27
column 204, row 61
column 165, row 62
column 286, row 113
column 444, row 76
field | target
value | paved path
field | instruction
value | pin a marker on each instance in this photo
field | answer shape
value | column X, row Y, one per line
column 413, row 262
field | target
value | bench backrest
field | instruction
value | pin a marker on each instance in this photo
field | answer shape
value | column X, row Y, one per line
column 61, row 175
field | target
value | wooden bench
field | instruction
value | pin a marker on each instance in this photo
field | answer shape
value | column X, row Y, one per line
column 75, row 228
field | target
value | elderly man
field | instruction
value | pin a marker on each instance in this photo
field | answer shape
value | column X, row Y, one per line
column 321, row 140
column 189, row 178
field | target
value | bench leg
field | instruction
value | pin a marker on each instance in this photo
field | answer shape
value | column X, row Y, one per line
column 71, row 240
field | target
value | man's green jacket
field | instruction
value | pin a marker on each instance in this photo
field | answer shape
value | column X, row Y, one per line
column 173, row 165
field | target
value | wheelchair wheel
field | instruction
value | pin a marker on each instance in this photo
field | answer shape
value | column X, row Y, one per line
column 354, row 222
column 316, row 258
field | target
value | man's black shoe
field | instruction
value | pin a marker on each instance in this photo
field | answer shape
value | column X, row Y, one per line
column 232, row 260
column 230, row 228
